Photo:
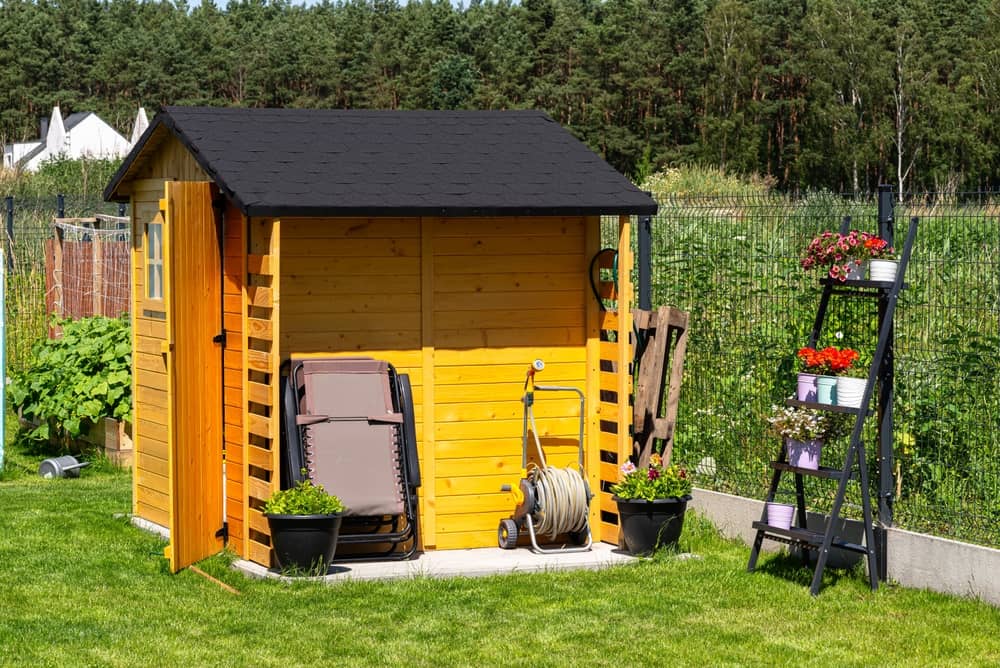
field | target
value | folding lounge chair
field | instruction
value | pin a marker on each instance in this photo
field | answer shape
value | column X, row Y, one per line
column 349, row 423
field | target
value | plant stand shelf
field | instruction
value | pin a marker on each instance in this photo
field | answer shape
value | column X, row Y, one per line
column 855, row 465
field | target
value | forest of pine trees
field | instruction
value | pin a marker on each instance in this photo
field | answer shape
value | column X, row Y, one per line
column 838, row 94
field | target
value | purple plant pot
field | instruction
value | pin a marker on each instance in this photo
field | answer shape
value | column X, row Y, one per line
column 779, row 515
column 804, row 454
column 807, row 387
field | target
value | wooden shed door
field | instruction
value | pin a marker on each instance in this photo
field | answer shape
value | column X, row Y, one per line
column 195, row 284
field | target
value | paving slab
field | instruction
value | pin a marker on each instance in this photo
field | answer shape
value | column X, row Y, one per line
column 459, row 563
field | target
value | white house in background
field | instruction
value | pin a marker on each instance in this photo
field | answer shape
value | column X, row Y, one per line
column 79, row 135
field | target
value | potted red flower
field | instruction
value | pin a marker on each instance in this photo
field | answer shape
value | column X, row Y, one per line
column 820, row 368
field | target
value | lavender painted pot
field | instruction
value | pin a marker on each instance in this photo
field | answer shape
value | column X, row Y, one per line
column 804, row 454
column 779, row 515
column 806, row 387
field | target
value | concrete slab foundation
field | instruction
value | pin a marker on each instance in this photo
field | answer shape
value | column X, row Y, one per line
column 460, row 563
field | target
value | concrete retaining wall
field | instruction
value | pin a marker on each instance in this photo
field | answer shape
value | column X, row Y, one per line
column 915, row 560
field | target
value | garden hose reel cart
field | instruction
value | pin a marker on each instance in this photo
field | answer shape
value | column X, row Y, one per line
column 550, row 500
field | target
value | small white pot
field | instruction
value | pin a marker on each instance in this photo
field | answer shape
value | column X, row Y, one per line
column 883, row 270
column 850, row 391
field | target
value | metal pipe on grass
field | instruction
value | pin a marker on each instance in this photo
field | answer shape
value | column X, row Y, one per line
column 3, row 356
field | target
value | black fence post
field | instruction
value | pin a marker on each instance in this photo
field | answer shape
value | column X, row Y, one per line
column 886, row 491
column 645, row 249
column 60, row 206
column 9, row 245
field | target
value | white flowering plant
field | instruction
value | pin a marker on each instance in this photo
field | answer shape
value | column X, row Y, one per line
column 806, row 424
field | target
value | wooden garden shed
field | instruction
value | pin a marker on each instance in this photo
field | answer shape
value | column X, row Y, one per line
column 456, row 245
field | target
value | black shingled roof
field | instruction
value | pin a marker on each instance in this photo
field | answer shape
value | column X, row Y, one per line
column 307, row 162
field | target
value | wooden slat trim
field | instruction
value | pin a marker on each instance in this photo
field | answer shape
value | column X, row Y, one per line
column 259, row 264
column 258, row 489
column 259, row 425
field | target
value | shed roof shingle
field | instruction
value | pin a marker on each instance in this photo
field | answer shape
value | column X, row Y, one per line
column 350, row 162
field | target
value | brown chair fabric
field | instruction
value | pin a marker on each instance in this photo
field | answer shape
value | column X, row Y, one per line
column 352, row 433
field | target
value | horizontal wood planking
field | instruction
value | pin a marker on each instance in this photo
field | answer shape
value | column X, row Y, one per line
column 376, row 249
column 149, row 480
column 153, row 461
column 318, row 265
column 298, row 305
column 556, row 373
column 257, row 488
column 334, row 285
column 481, row 284
column 473, row 337
column 508, row 246
column 516, row 227
column 528, row 301
column 340, row 229
column 498, row 504
column 258, row 553
column 355, row 342
column 520, row 265
column 563, row 427
column 150, row 382
column 507, row 410
column 500, row 302
column 153, row 512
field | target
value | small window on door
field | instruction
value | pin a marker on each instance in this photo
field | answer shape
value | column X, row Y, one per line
column 154, row 258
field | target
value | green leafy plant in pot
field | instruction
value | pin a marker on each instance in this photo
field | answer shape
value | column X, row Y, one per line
column 305, row 523
column 651, row 504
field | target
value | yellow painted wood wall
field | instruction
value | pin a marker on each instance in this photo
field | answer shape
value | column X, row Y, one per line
column 151, row 431
column 463, row 306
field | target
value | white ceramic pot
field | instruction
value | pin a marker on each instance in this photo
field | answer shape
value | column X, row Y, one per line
column 883, row 270
column 850, row 391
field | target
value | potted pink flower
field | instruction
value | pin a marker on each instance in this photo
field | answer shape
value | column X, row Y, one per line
column 845, row 256
column 651, row 504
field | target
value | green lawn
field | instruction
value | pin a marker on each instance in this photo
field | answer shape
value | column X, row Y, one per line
column 80, row 586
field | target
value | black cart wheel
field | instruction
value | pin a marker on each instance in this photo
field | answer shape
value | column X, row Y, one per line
column 507, row 534
column 579, row 537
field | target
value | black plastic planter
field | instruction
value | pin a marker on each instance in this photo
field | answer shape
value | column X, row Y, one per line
column 648, row 525
column 305, row 542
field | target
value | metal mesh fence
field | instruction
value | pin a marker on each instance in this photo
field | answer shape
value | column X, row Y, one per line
column 24, row 235
column 733, row 263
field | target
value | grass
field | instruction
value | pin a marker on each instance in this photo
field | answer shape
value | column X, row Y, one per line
column 81, row 586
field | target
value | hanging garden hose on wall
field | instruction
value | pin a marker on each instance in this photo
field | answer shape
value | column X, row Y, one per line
column 552, row 501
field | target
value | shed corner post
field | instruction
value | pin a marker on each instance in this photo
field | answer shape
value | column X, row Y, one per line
column 593, row 388
column 428, row 497
column 624, row 336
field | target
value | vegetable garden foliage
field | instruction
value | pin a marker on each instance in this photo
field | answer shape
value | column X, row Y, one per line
column 73, row 381
column 837, row 94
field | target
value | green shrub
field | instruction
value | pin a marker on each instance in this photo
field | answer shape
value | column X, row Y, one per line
column 303, row 499
column 72, row 382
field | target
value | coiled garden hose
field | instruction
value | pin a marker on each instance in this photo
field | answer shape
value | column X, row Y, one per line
column 562, row 495
column 562, row 498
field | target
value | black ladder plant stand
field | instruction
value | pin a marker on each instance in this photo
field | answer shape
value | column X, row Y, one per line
column 798, row 535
